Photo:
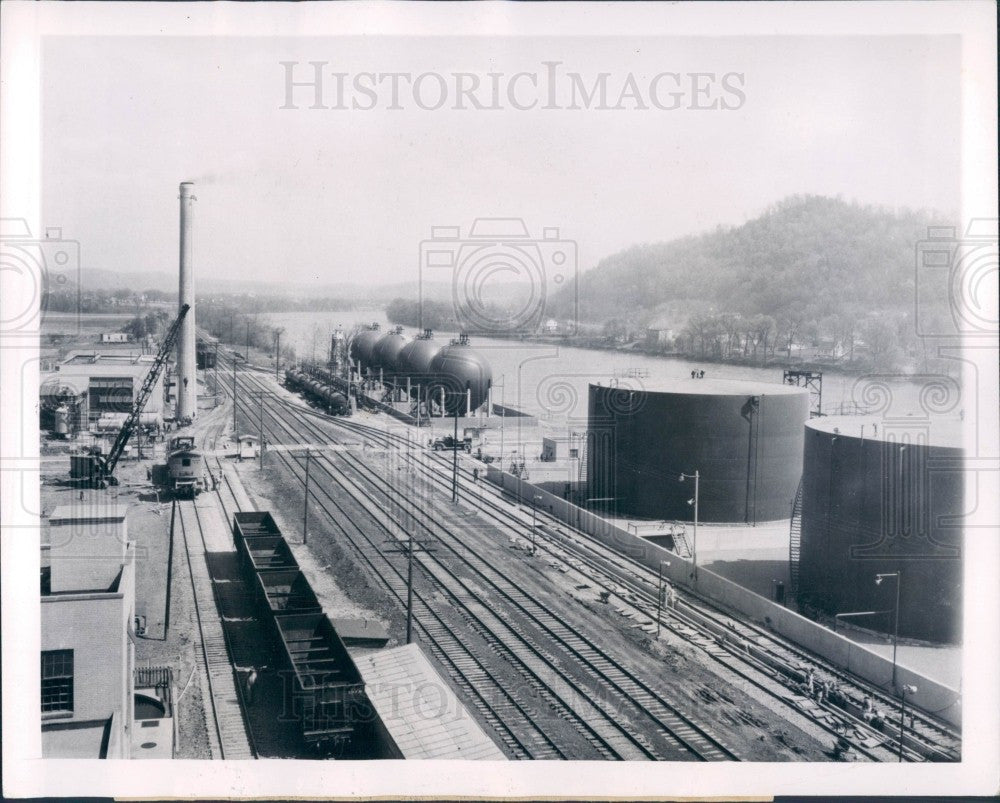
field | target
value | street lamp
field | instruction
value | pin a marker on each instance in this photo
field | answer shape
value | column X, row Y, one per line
column 659, row 595
column 907, row 689
column 895, row 631
column 694, row 543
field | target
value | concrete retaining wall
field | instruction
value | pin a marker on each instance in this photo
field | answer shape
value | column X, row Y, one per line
column 932, row 696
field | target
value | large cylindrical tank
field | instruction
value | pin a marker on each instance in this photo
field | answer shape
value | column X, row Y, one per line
column 743, row 438
column 386, row 350
column 415, row 359
column 363, row 343
column 881, row 497
column 60, row 425
column 460, row 376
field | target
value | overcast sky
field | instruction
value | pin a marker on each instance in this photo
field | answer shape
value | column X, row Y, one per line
column 346, row 195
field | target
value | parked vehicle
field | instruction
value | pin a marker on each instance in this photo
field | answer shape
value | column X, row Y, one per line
column 449, row 443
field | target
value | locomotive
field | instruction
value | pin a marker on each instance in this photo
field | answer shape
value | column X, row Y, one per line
column 322, row 394
column 185, row 467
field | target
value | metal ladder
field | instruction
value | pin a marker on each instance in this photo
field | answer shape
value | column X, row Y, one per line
column 795, row 542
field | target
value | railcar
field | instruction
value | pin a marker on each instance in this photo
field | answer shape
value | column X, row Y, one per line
column 186, row 471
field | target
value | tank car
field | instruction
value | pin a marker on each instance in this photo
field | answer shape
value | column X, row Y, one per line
column 185, row 467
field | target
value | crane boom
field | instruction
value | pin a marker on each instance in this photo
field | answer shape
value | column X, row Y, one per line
column 125, row 433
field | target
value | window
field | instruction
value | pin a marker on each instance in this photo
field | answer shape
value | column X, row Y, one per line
column 185, row 461
column 574, row 452
column 57, row 680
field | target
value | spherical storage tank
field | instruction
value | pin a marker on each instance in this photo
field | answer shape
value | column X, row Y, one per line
column 459, row 372
column 744, row 438
column 881, row 497
column 363, row 344
column 386, row 351
column 415, row 359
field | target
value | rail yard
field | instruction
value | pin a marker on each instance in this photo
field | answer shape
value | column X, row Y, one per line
column 343, row 561
column 535, row 665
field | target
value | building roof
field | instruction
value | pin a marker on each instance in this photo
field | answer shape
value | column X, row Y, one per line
column 65, row 514
column 83, row 740
column 944, row 431
column 55, row 384
column 431, row 726
column 709, row 386
column 108, row 357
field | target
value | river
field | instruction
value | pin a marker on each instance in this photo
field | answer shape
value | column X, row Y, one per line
column 551, row 381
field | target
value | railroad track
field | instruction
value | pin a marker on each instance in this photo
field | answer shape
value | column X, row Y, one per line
column 599, row 721
column 770, row 663
column 227, row 733
column 493, row 698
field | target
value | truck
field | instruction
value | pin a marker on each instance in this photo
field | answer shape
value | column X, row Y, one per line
column 449, row 443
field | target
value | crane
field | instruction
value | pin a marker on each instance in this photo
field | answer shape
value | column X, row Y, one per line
column 106, row 466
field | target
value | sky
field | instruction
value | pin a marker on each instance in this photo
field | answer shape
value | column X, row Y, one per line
column 303, row 196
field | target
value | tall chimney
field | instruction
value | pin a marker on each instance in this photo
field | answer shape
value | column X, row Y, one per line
column 187, row 380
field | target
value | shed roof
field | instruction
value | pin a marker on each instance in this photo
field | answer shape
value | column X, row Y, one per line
column 420, row 711
column 64, row 514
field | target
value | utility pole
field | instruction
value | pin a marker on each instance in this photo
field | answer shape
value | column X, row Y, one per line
column 409, row 594
column 248, row 340
column 305, row 506
column 411, row 546
column 902, row 714
column 534, row 517
column 898, row 576
column 277, row 354
column 234, row 396
column 261, row 430
column 660, row 593
column 454, row 462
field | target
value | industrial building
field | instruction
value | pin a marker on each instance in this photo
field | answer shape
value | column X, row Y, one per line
column 744, row 440
column 87, row 647
column 884, row 497
column 95, row 384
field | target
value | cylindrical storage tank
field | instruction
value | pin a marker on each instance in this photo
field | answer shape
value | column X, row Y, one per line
column 60, row 426
column 386, row 351
column 743, row 438
column 363, row 344
column 884, row 497
column 459, row 375
column 415, row 360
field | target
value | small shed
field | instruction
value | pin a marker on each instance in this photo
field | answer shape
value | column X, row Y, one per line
column 419, row 713
column 247, row 447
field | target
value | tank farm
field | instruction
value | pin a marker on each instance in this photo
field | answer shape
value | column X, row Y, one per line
column 372, row 555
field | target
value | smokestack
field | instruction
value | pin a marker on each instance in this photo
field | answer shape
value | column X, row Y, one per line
column 187, row 381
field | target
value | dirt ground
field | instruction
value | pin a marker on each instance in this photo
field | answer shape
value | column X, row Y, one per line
column 171, row 632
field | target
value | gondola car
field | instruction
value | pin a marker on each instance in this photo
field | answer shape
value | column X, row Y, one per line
column 185, row 467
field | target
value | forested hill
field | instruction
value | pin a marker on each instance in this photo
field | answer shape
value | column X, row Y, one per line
column 807, row 259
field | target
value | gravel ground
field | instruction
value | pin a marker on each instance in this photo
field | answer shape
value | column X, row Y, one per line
column 680, row 673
